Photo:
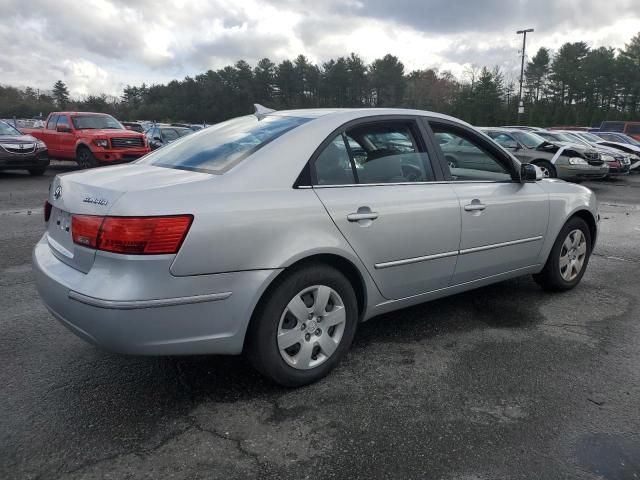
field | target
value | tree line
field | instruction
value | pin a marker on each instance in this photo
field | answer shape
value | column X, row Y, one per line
column 576, row 85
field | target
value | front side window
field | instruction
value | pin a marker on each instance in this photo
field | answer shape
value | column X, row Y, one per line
column 96, row 122
column 219, row 147
column 468, row 159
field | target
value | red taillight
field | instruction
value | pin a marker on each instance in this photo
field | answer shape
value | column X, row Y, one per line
column 85, row 229
column 47, row 211
column 132, row 235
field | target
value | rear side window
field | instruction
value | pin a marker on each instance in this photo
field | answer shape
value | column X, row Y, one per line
column 374, row 153
column 633, row 129
column 218, row 148
column 333, row 166
column 63, row 121
column 51, row 123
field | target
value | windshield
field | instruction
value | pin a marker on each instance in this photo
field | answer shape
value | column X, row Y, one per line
column 576, row 138
column 6, row 129
column 554, row 137
column 590, row 137
column 96, row 122
column 218, row 148
column 529, row 139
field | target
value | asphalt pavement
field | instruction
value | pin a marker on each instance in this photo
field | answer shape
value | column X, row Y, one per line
column 505, row 382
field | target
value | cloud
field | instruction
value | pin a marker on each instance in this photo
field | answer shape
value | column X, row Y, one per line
column 101, row 45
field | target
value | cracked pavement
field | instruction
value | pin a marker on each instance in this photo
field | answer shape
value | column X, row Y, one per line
column 503, row 382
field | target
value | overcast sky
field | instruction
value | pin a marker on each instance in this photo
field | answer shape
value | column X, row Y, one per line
column 101, row 45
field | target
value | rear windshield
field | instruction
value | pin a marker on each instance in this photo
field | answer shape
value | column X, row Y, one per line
column 218, row 148
column 612, row 127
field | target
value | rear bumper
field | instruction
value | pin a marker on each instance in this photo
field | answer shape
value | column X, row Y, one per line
column 203, row 314
column 120, row 155
column 34, row 160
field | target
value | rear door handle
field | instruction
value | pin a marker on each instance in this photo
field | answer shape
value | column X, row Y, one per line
column 474, row 207
column 356, row 217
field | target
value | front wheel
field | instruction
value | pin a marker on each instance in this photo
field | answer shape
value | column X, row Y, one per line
column 548, row 170
column 304, row 326
column 85, row 158
column 568, row 259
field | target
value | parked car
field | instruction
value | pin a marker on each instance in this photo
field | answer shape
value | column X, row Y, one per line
column 160, row 136
column 523, row 127
column 555, row 160
column 266, row 235
column 619, row 162
column 91, row 139
column 19, row 151
column 617, row 138
column 630, row 128
column 135, row 126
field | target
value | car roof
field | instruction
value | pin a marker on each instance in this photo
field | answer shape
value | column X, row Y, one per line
column 359, row 113
column 78, row 113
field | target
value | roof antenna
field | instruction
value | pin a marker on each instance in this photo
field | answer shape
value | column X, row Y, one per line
column 261, row 111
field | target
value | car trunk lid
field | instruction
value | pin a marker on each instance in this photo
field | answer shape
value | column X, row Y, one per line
column 94, row 192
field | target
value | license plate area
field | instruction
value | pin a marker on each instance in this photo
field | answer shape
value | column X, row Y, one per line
column 60, row 231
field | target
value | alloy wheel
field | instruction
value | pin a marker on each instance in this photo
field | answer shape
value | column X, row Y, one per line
column 311, row 327
column 545, row 171
column 572, row 255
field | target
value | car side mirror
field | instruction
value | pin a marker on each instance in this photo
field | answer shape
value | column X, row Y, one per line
column 157, row 139
column 62, row 129
column 530, row 173
column 513, row 146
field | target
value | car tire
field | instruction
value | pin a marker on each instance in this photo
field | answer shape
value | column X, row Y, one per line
column 37, row 172
column 85, row 158
column 568, row 258
column 451, row 162
column 548, row 170
column 317, row 342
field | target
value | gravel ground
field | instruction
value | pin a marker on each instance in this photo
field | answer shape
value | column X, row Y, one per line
column 505, row 382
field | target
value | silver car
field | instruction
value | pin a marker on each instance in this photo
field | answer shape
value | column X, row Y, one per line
column 275, row 234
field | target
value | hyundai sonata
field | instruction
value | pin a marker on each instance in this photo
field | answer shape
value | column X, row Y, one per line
column 275, row 234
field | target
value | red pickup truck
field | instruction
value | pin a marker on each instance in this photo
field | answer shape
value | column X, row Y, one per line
column 91, row 139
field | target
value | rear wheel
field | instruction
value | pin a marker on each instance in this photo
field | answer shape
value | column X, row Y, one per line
column 304, row 326
column 38, row 171
column 548, row 170
column 568, row 259
column 85, row 158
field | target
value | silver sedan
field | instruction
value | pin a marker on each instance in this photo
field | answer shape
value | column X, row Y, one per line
column 275, row 234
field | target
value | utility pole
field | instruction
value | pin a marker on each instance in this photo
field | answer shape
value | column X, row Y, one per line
column 524, row 46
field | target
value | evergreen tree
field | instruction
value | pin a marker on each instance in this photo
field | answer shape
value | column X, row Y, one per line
column 60, row 94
